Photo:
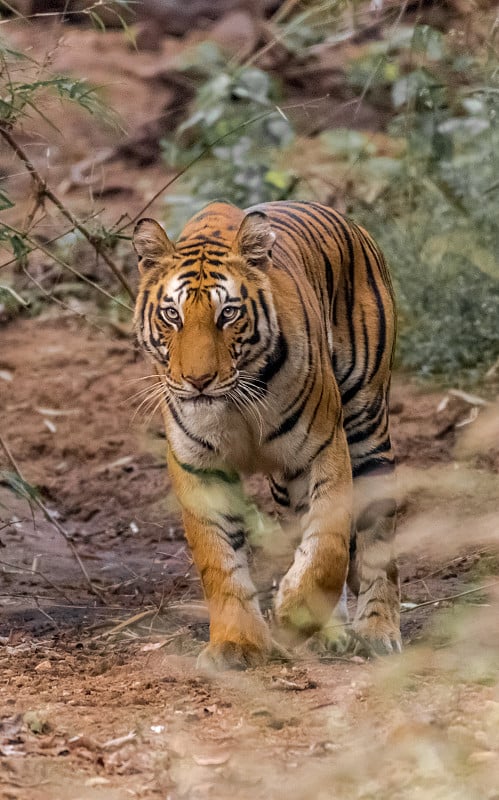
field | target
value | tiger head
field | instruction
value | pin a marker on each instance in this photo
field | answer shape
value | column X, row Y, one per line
column 205, row 310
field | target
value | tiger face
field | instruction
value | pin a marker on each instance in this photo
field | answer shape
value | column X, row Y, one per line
column 199, row 311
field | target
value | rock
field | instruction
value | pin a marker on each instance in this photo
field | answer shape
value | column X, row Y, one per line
column 236, row 34
column 44, row 666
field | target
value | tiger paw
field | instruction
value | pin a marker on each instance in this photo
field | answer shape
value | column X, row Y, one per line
column 331, row 640
column 222, row 656
column 376, row 636
column 300, row 613
column 295, row 620
column 376, row 627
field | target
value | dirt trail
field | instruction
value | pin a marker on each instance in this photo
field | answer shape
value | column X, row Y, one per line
column 69, row 689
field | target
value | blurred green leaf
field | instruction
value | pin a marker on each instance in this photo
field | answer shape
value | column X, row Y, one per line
column 5, row 201
column 345, row 142
column 429, row 41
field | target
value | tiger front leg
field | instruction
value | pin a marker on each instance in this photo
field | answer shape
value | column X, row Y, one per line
column 314, row 584
column 214, row 521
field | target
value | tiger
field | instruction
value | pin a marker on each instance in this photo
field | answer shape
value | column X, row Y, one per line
column 272, row 333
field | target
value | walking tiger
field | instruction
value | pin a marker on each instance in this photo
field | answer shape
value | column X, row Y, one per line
column 272, row 332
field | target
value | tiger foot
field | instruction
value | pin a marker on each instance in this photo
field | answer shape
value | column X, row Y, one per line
column 376, row 627
column 334, row 638
column 295, row 622
column 331, row 641
column 298, row 617
column 375, row 636
column 222, row 656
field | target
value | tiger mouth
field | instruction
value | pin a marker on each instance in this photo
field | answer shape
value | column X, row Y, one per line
column 201, row 400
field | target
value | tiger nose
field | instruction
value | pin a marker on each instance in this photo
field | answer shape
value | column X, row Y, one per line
column 200, row 382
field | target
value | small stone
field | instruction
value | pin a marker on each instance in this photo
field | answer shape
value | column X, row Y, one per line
column 44, row 666
column 261, row 712
column 97, row 780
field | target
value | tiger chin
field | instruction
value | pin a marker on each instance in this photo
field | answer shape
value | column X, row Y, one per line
column 271, row 331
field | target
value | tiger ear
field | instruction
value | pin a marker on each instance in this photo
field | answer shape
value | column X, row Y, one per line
column 151, row 243
column 255, row 238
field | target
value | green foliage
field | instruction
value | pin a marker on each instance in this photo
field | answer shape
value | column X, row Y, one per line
column 17, row 485
column 438, row 215
column 235, row 124
column 23, row 99
column 19, row 98
column 25, row 87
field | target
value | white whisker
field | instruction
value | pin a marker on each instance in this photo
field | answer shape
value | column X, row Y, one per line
column 251, row 408
column 147, row 390
column 153, row 411
column 142, row 378
column 155, row 397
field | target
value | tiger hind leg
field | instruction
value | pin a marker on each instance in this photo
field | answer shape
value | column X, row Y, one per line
column 373, row 572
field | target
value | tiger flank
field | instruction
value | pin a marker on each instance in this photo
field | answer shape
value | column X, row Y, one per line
column 271, row 332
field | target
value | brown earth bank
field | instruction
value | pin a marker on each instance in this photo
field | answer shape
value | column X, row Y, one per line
column 99, row 695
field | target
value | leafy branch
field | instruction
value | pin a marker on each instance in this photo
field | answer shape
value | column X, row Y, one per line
column 43, row 190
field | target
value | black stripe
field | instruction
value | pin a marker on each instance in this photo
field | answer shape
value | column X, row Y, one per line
column 291, row 476
column 200, row 240
column 363, row 433
column 375, row 464
column 237, row 538
column 218, row 276
column 381, row 344
column 368, row 412
column 275, row 360
column 282, row 501
column 216, row 254
column 188, row 433
column 309, row 382
column 290, row 422
column 279, row 493
column 329, row 277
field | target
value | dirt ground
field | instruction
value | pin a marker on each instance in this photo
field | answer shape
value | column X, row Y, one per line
column 99, row 696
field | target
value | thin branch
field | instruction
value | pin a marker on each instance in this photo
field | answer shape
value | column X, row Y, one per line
column 71, row 269
column 49, row 241
column 127, row 622
column 449, row 597
column 55, row 524
column 14, row 294
column 45, row 190
column 37, row 572
column 194, row 161
column 68, row 308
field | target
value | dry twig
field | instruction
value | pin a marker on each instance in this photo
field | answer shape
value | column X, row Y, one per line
column 450, row 597
column 43, row 190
